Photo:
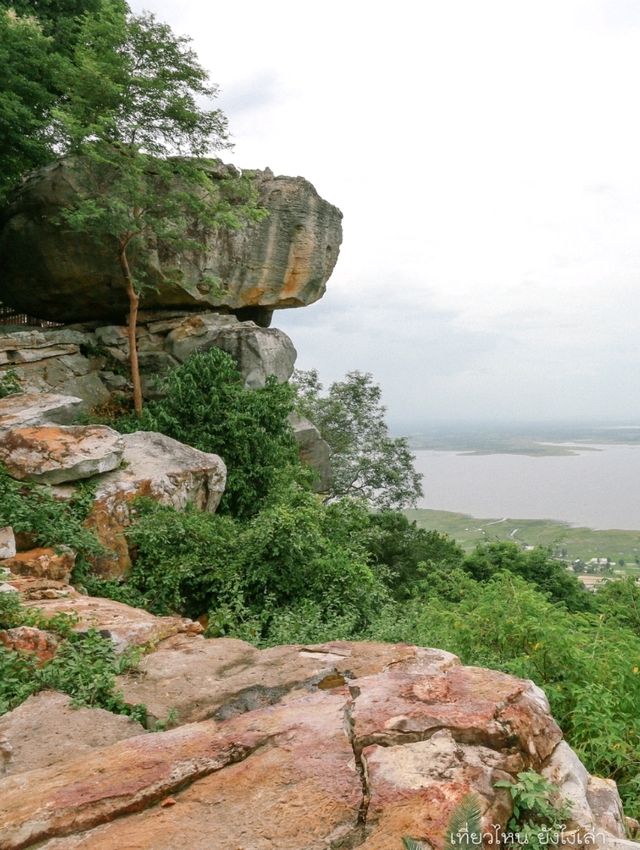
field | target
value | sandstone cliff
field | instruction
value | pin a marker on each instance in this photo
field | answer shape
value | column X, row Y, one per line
column 283, row 261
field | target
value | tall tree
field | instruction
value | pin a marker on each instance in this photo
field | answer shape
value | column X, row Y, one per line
column 366, row 461
column 133, row 118
column 37, row 39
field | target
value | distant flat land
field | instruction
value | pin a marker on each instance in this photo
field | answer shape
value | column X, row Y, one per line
column 549, row 441
column 564, row 540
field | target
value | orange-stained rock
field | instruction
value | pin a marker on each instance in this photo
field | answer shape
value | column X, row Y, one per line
column 157, row 466
column 340, row 745
column 126, row 626
column 273, row 778
column 478, row 706
column 32, row 640
column 43, row 563
column 227, row 677
column 55, row 454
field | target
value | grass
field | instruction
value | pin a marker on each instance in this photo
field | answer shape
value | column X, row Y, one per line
column 564, row 540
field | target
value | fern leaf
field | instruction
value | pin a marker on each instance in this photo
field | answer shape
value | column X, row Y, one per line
column 465, row 824
column 412, row 844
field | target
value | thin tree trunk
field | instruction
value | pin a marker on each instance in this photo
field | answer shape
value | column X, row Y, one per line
column 134, row 301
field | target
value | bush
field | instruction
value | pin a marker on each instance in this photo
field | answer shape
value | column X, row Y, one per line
column 85, row 664
column 407, row 554
column 549, row 576
column 253, row 578
column 207, row 406
column 28, row 507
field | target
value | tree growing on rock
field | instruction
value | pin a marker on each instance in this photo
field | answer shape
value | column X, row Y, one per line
column 134, row 122
column 366, row 461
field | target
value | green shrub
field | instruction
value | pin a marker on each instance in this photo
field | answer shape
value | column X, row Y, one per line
column 407, row 553
column 549, row 576
column 28, row 507
column 9, row 383
column 207, row 406
column 539, row 813
column 85, row 664
column 254, row 577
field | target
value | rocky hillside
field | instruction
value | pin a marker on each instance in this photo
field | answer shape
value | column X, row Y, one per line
column 339, row 745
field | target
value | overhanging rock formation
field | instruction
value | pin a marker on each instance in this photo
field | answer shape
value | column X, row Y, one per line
column 282, row 261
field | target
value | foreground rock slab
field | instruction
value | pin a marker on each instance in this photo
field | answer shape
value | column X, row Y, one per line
column 338, row 745
column 56, row 454
column 46, row 730
column 228, row 677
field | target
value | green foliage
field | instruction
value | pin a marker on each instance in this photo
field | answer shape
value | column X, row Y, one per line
column 85, row 667
column 539, row 814
column 85, row 664
column 465, row 824
column 619, row 601
column 207, row 406
column 13, row 614
column 36, row 43
column 26, row 97
column 295, row 571
column 9, row 383
column 135, row 122
column 408, row 554
column 366, row 462
column 549, row 576
column 28, row 507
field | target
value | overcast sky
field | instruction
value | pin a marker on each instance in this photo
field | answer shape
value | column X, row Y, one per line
column 486, row 157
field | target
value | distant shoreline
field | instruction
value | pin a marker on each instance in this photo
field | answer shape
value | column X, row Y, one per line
column 565, row 541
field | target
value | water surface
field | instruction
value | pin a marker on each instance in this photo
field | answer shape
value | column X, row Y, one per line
column 597, row 489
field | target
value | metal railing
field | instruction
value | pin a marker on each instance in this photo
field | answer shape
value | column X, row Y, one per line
column 9, row 316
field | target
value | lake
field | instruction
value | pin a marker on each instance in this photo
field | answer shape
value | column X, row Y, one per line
column 597, row 489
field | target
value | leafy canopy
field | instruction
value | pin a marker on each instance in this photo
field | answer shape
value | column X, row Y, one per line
column 366, row 461
column 206, row 405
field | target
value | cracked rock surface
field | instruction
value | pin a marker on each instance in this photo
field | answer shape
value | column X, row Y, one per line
column 339, row 745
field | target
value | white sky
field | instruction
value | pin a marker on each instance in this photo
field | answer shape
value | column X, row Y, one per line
column 486, row 157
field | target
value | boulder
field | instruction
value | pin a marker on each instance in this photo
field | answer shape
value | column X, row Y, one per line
column 43, row 563
column 157, row 466
column 313, row 450
column 124, row 625
column 228, row 677
column 284, row 260
column 259, row 352
column 7, row 542
column 47, row 729
column 30, row 640
column 55, row 454
column 36, row 408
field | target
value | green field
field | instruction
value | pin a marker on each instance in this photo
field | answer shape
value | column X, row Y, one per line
column 564, row 540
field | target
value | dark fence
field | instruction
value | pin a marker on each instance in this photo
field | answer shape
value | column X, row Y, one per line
column 9, row 316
